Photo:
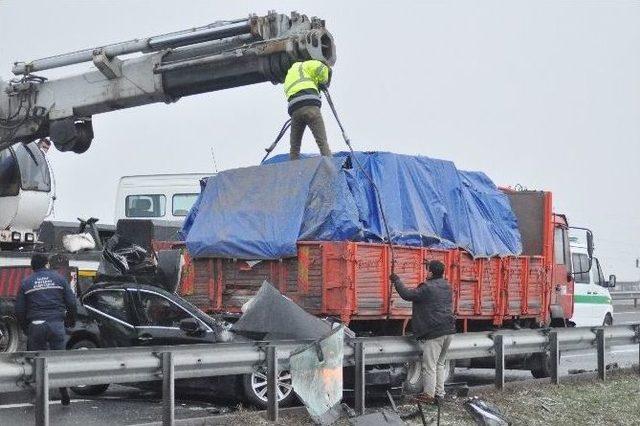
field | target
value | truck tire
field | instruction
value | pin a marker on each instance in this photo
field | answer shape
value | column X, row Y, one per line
column 89, row 390
column 9, row 334
column 608, row 320
column 255, row 389
column 541, row 368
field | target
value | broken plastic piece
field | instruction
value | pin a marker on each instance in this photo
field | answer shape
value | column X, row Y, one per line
column 316, row 376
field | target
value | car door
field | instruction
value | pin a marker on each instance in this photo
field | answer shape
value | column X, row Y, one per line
column 159, row 320
column 583, row 312
column 110, row 308
column 600, row 294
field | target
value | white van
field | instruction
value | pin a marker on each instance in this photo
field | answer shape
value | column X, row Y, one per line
column 166, row 197
column 591, row 301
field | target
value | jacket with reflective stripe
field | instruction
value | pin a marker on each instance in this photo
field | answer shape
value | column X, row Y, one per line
column 44, row 295
column 304, row 76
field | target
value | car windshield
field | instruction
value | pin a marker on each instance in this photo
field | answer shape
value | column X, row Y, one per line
column 145, row 205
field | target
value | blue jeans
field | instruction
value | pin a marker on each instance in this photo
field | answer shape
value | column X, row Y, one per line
column 49, row 335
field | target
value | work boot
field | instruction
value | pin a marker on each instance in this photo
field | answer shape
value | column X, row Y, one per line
column 65, row 399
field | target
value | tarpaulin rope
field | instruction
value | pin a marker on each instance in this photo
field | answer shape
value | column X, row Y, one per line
column 373, row 184
column 283, row 130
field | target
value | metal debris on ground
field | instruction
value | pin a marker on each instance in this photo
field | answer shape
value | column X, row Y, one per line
column 380, row 418
column 484, row 413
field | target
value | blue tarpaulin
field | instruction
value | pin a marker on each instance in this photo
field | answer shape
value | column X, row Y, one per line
column 261, row 212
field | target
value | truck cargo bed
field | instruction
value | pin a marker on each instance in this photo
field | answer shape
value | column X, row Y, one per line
column 350, row 280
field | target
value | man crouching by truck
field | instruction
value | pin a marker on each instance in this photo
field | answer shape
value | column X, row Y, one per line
column 43, row 301
column 433, row 325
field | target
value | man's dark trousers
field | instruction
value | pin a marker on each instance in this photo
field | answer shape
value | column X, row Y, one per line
column 48, row 335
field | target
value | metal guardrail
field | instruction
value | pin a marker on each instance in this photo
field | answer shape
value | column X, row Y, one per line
column 626, row 295
column 44, row 370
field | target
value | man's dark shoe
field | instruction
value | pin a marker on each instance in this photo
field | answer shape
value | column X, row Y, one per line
column 423, row 398
column 64, row 396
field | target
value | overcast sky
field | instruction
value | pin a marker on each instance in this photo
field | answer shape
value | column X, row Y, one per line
column 545, row 94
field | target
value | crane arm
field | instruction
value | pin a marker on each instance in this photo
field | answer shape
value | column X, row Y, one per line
column 161, row 68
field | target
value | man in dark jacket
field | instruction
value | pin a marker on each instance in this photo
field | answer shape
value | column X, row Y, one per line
column 433, row 325
column 43, row 301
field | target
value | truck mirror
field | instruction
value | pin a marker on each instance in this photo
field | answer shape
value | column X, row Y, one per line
column 590, row 244
column 612, row 280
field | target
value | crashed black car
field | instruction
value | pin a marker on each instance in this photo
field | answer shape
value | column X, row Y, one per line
column 132, row 314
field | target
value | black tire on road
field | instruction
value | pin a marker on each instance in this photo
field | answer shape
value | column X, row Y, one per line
column 90, row 390
column 9, row 334
column 542, row 366
column 254, row 387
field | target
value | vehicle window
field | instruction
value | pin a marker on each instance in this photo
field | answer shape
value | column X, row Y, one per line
column 34, row 170
column 9, row 175
column 145, row 205
column 567, row 250
column 558, row 246
column 182, row 203
column 110, row 302
column 581, row 267
column 159, row 311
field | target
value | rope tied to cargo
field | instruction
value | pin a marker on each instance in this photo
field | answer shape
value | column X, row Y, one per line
column 283, row 130
column 373, row 184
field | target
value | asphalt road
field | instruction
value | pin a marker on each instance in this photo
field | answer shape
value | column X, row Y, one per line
column 128, row 406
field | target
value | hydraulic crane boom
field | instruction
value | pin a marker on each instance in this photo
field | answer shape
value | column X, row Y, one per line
column 218, row 56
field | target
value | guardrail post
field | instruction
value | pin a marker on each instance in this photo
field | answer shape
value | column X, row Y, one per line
column 360, row 380
column 498, row 345
column 602, row 358
column 638, row 342
column 272, row 384
column 554, row 354
column 42, row 391
column 168, row 389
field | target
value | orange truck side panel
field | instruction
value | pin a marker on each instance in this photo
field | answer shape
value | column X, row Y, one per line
column 351, row 281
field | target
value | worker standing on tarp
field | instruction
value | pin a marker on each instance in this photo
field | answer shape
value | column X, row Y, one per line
column 433, row 325
column 44, row 300
column 302, row 89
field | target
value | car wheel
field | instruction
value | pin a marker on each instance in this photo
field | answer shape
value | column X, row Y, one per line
column 9, row 335
column 608, row 320
column 88, row 390
column 255, row 389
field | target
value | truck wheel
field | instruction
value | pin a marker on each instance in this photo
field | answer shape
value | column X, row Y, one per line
column 9, row 334
column 541, row 366
column 608, row 320
column 89, row 390
column 255, row 389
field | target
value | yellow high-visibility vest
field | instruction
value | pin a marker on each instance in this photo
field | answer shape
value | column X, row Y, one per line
column 305, row 75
